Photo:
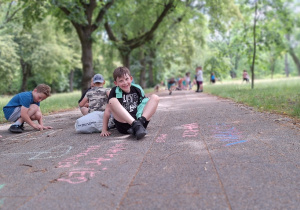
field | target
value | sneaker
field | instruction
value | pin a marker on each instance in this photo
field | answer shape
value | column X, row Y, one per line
column 142, row 120
column 22, row 126
column 15, row 129
column 138, row 129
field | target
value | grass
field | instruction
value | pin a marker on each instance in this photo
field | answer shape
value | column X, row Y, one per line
column 280, row 96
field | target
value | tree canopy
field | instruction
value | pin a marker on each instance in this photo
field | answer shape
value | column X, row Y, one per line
column 64, row 43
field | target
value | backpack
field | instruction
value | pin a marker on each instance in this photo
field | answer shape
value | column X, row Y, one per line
column 90, row 123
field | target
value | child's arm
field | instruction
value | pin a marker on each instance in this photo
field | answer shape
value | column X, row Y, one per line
column 106, row 117
column 83, row 102
column 27, row 118
column 40, row 121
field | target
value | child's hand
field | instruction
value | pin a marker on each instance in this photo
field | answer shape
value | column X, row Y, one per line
column 105, row 133
column 47, row 127
column 37, row 127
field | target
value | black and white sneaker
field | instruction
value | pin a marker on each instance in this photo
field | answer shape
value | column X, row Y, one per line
column 16, row 129
column 138, row 129
column 22, row 126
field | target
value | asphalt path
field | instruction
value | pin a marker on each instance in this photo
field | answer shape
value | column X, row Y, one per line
column 201, row 152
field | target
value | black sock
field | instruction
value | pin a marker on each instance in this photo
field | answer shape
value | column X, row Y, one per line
column 142, row 119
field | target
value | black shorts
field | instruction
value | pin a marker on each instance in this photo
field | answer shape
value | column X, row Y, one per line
column 123, row 127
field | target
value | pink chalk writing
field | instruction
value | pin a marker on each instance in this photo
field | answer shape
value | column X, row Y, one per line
column 161, row 138
column 80, row 175
column 190, row 130
column 75, row 159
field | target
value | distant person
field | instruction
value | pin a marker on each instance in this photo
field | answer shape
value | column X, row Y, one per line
column 171, row 85
column 212, row 78
column 132, row 111
column 245, row 76
column 188, row 81
column 199, row 79
column 97, row 96
column 85, row 108
column 25, row 107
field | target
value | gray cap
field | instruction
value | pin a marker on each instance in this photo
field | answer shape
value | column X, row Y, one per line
column 98, row 78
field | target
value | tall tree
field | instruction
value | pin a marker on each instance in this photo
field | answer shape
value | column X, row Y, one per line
column 126, row 41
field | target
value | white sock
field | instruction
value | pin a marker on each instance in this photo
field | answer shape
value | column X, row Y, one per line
column 17, row 123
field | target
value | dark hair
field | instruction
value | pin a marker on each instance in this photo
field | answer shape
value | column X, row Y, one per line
column 121, row 71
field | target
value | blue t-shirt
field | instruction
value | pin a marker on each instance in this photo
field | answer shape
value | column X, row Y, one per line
column 22, row 99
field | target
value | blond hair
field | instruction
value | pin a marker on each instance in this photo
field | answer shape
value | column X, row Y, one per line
column 43, row 88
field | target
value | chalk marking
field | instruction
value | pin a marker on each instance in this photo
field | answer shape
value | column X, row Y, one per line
column 28, row 135
column 38, row 154
column 242, row 141
column 2, row 199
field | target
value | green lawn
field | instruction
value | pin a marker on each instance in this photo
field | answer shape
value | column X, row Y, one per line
column 279, row 95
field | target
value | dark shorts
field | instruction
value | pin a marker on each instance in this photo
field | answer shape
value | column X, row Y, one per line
column 123, row 127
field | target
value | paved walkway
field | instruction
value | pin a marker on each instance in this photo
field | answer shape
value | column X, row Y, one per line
column 201, row 152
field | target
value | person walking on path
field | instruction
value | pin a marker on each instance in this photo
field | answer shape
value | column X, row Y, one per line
column 212, row 78
column 171, row 85
column 199, row 79
column 25, row 107
column 245, row 76
column 131, row 110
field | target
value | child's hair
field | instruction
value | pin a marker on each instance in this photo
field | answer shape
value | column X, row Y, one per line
column 42, row 88
column 121, row 71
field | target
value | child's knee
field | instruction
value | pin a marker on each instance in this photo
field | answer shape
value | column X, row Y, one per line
column 154, row 97
column 113, row 101
column 37, row 115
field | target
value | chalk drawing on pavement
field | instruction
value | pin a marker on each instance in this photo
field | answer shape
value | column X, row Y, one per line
column 80, row 174
column 161, row 138
column 54, row 152
column 227, row 133
column 190, row 130
column 32, row 135
column 2, row 199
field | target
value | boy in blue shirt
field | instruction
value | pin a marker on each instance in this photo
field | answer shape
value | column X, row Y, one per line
column 25, row 107
column 130, row 108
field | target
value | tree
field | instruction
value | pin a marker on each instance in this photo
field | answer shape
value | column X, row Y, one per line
column 126, row 41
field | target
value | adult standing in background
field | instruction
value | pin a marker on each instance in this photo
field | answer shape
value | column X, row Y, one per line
column 199, row 79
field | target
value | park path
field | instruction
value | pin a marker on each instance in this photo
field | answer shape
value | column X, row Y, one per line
column 201, row 152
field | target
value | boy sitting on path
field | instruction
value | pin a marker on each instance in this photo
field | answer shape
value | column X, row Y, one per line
column 25, row 107
column 127, row 102
column 97, row 96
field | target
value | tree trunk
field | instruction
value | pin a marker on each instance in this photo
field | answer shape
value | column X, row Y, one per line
column 26, row 71
column 87, row 64
column 286, row 65
column 295, row 59
column 150, row 66
column 125, row 58
column 143, row 69
column 272, row 68
column 71, row 77
column 254, row 47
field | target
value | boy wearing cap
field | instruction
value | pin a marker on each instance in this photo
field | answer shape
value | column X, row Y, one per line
column 25, row 107
column 130, row 108
column 96, row 96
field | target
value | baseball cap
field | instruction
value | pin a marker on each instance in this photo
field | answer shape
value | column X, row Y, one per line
column 98, row 78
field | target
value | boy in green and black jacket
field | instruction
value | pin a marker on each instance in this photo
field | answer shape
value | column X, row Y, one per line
column 127, row 102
